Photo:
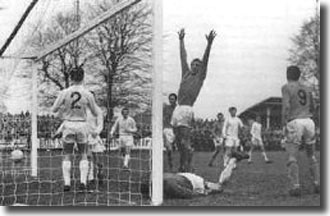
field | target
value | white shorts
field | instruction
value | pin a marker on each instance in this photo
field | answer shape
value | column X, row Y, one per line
column 182, row 116
column 96, row 144
column 169, row 138
column 299, row 130
column 126, row 141
column 74, row 132
column 232, row 142
column 196, row 181
column 218, row 142
column 257, row 142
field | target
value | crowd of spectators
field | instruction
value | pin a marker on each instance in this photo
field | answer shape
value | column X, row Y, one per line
column 203, row 141
column 18, row 127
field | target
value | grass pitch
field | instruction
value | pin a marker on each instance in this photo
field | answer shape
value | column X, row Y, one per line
column 256, row 184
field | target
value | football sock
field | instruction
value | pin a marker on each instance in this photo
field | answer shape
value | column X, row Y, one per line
column 315, row 172
column 265, row 156
column 83, row 166
column 226, row 173
column 91, row 171
column 293, row 172
column 250, row 155
column 126, row 160
column 66, row 169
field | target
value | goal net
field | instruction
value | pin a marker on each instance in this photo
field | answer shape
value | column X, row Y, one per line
column 113, row 42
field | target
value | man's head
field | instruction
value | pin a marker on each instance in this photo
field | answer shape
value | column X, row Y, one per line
column 233, row 111
column 220, row 116
column 77, row 75
column 293, row 73
column 196, row 66
column 172, row 98
column 125, row 112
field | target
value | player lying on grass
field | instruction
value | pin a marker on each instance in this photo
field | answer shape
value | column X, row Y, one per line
column 188, row 185
column 74, row 103
column 256, row 138
column 192, row 80
column 298, row 128
column 168, row 133
column 231, row 130
column 217, row 137
column 127, row 127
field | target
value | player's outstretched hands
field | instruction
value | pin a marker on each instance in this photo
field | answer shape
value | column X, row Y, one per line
column 181, row 34
column 210, row 37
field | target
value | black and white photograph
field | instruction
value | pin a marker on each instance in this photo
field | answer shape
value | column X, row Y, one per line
column 160, row 103
column 242, row 81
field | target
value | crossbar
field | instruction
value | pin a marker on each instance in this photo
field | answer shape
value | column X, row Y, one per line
column 122, row 5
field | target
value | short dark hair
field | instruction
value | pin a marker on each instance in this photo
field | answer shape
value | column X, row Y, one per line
column 220, row 113
column 232, row 108
column 196, row 60
column 173, row 95
column 293, row 73
column 125, row 108
column 77, row 74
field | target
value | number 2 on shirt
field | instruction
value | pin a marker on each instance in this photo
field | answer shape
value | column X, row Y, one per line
column 76, row 96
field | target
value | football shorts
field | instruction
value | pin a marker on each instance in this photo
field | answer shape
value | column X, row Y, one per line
column 232, row 142
column 256, row 141
column 126, row 141
column 300, row 130
column 169, row 138
column 96, row 144
column 75, row 132
column 182, row 116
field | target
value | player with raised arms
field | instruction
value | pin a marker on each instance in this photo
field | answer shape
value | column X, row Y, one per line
column 74, row 103
column 168, row 133
column 127, row 128
column 256, row 138
column 192, row 80
column 298, row 128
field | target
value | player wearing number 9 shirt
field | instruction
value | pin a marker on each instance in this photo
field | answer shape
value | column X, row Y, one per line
column 74, row 103
column 297, row 113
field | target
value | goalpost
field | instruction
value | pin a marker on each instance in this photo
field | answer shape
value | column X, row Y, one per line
column 156, row 150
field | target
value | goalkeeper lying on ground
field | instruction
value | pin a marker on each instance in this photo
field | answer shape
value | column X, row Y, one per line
column 188, row 185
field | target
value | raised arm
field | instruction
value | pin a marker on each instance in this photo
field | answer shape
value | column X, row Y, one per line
column 210, row 37
column 58, row 102
column 183, row 53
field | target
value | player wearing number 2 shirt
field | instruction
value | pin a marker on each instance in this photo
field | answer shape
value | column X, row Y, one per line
column 297, row 110
column 74, row 103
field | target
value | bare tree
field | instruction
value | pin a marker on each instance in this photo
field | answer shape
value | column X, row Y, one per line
column 305, row 53
column 54, row 69
column 122, row 48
